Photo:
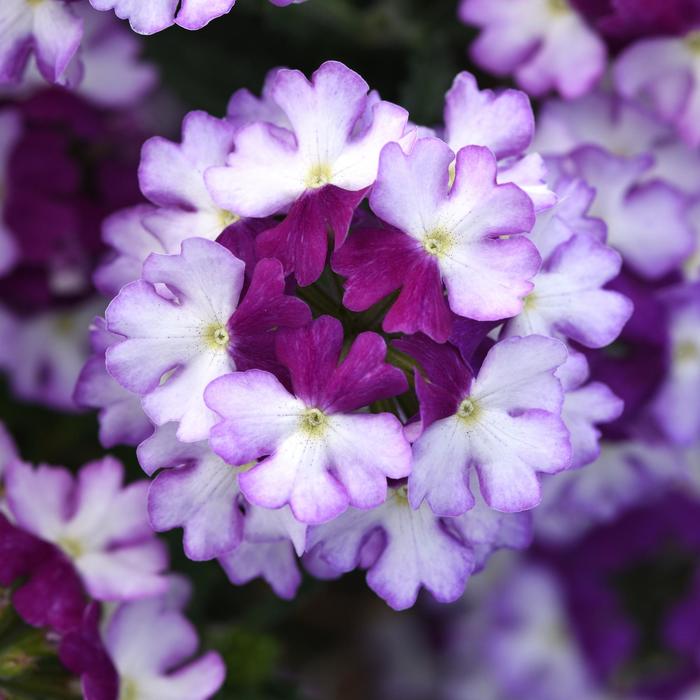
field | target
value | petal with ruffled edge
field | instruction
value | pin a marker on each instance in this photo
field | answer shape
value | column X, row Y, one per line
column 300, row 242
column 148, row 641
column 486, row 530
column 39, row 499
column 257, row 414
column 131, row 243
column 630, row 210
column 144, row 18
column 273, row 561
column 529, row 173
column 268, row 525
column 190, row 337
column 322, row 113
column 510, row 430
column 172, row 174
column 195, row 14
column 126, row 573
column 569, row 298
column 202, row 498
column 503, row 122
column 416, row 551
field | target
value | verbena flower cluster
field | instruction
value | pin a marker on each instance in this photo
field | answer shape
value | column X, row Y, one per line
column 339, row 339
column 365, row 356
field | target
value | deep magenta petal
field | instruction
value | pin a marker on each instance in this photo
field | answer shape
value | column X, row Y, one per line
column 311, row 354
column 264, row 310
column 442, row 378
column 300, row 242
column 363, row 377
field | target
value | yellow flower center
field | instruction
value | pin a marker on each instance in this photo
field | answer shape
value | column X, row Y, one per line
column 401, row 495
column 217, row 336
column 227, row 218
column 128, row 690
column 686, row 351
column 529, row 302
column 692, row 41
column 72, row 547
column 558, row 7
column 438, row 242
column 468, row 411
column 319, row 176
column 314, row 422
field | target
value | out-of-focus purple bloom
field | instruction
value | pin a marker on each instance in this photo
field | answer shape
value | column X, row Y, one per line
column 621, row 21
column 150, row 643
column 623, row 127
column 51, row 212
column 82, row 651
column 663, row 73
column 51, row 593
column 629, row 207
column 43, row 354
column 626, row 474
column 676, row 408
column 545, row 44
column 100, row 525
column 49, row 29
column 586, row 405
column 8, row 449
column 10, row 130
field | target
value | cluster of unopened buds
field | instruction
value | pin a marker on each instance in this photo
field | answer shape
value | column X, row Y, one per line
column 336, row 338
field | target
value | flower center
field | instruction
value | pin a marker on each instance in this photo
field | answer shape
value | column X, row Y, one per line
column 129, row 691
column 72, row 547
column 529, row 302
column 34, row 3
column 686, row 351
column 401, row 495
column 227, row 218
column 243, row 468
column 468, row 410
column 438, row 243
column 453, row 173
column 558, row 7
column 319, row 176
column 217, row 336
column 692, row 41
column 314, row 422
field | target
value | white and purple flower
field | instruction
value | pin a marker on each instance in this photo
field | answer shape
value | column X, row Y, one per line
column 312, row 457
